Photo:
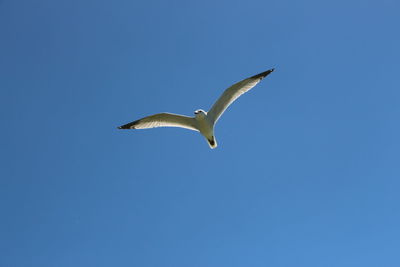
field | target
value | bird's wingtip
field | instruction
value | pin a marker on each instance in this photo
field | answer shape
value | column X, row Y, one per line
column 262, row 75
column 269, row 71
column 125, row 126
column 128, row 126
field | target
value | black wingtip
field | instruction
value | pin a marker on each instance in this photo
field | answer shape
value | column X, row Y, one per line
column 128, row 126
column 125, row 127
column 262, row 75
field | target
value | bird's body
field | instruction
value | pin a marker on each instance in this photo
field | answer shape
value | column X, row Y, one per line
column 206, row 127
column 203, row 122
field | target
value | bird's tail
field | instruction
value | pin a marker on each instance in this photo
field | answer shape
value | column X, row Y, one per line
column 212, row 142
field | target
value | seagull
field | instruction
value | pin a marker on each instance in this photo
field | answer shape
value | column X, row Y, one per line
column 202, row 121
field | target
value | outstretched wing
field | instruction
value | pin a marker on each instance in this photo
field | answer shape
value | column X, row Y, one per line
column 232, row 93
column 162, row 120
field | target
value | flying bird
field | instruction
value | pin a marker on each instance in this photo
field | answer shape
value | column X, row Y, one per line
column 202, row 121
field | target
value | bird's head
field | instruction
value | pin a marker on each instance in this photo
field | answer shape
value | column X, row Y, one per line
column 200, row 112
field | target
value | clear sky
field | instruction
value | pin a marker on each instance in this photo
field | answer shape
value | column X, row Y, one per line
column 308, row 164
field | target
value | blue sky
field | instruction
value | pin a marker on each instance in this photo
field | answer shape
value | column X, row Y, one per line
column 307, row 168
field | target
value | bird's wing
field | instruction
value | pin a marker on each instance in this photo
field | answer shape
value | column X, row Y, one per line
column 162, row 120
column 232, row 93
